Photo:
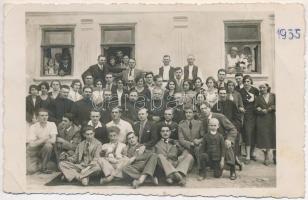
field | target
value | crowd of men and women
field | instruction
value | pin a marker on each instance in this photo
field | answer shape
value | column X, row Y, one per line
column 128, row 123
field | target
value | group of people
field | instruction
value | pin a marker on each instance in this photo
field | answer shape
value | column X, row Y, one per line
column 135, row 125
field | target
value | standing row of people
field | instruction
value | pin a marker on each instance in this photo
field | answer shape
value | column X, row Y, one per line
column 141, row 102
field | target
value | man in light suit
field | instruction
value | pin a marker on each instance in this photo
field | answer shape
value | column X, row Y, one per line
column 85, row 160
column 191, row 133
column 166, row 71
column 68, row 136
column 172, row 158
column 145, row 130
column 131, row 72
column 99, row 70
column 142, row 162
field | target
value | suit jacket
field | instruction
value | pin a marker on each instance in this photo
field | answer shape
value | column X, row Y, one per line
column 229, row 109
column 171, row 150
column 171, row 72
column 226, row 128
column 249, row 106
column 72, row 135
column 131, row 151
column 96, row 72
column 149, row 134
column 213, row 145
column 65, row 69
column 81, row 111
column 32, row 109
column 194, row 72
column 174, row 129
column 95, row 148
column 59, row 107
column 125, row 73
column 187, row 135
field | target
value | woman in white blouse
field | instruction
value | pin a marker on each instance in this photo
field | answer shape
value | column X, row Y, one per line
column 75, row 92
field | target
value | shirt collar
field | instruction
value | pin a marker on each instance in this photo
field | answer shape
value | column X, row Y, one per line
column 210, row 116
column 99, row 125
column 213, row 132
column 69, row 128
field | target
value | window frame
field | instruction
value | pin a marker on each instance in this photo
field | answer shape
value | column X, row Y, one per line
column 57, row 28
column 243, row 23
column 114, row 27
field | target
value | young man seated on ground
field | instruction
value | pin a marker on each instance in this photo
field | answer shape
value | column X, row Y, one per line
column 42, row 137
column 68, row 138
column 84, row 162
column 142, row 162
column 212, row 151
column 114, row 159
column 172, row 158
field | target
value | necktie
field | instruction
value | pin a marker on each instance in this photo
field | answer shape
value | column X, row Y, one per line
column 141, row 130
column 130, row 72
column 190, row 125
column 87, row 153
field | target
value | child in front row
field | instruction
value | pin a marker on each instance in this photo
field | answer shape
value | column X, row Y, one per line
column 212, row 152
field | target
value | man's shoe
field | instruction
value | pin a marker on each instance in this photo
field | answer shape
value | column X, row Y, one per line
column 182, row 182
column 155, row 180
column 85, row 181
column 136, row 184
column 178, row 176
column 253, row 158
column 169, row 180
column 201, row 176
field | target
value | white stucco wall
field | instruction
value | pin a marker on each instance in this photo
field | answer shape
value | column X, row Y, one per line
column 155, row 35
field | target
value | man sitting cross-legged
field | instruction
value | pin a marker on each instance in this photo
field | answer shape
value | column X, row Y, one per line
column 142, row 162
column 84, row 162
column 172, row 158
column 114, row 159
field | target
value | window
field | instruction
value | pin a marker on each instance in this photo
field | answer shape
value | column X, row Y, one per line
column 116, row 41
column 243, row 46
column 57, row 50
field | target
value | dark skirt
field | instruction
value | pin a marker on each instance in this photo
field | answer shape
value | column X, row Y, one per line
column 249, row 129
column 266, row 131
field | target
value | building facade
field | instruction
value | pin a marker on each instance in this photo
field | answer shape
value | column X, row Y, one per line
column 77, row 38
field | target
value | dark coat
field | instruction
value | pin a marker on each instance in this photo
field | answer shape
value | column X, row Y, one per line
column 149, row 135
column 81, row 111
column 96, row 72
column 266, row 122
column 59, row 107
column 66, row 69
column 213, row 146
column 171, row 72
column 32, row 109
column 229, row 109
column 194, row 72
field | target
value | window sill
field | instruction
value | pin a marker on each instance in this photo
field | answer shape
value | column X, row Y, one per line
column 61, row 78
column 253, row 76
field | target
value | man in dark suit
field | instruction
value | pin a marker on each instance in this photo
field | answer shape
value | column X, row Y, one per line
column 172, row 158
column 100, row 129
column 221, row 75
column 61, row 105
column 81, row 109
column 166, row 71
column 68, row 136
column 226, row 128
column 168, row 120
column 109, row 84
column 131, row 72
column 227, row 108
column 145, row 130
column 239, row 81
column 191, row 71
column 157, row 105
column 132, row 106
column 178, row 79
column 99, row 70
column 65, row 66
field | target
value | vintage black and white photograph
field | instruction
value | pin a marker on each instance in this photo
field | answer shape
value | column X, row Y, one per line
column 132, row 97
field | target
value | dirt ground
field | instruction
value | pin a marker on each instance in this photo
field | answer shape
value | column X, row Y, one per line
column 254, row 175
